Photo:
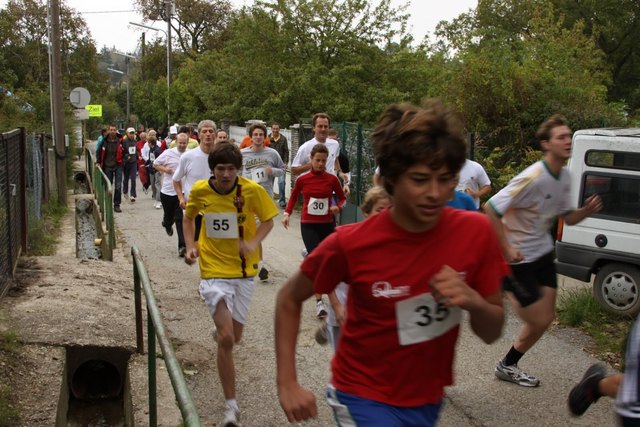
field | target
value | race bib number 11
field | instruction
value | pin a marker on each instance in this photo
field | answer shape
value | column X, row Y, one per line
column 422, row 318
column 259, row 175
column 221, row 225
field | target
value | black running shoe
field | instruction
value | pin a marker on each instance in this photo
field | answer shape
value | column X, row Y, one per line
column 263, row 274
column 581, row 396
column 181, row 251
column 117, row 209
column 168, row 229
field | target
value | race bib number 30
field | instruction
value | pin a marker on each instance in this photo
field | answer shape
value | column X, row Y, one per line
column 132, row 150
column 318, row 206
column 421, row 319
column 259, row 175
column 221, row 225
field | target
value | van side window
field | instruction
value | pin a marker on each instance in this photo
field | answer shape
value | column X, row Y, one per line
column 620, row 195
column 613, row 159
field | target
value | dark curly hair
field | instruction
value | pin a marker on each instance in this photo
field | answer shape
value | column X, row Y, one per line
column 407, row 134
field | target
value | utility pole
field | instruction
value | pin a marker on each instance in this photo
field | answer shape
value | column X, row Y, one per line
column 58, row 110
column 168, row 13
column 126, row 61
column 143, row 48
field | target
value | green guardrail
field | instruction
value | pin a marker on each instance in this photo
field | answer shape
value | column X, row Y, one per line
column 155, row 328
column 104, row 193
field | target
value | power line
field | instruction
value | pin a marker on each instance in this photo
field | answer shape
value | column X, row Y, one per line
column 108, row 11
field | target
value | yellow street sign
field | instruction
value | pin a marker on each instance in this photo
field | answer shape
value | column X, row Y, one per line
column 95, row 110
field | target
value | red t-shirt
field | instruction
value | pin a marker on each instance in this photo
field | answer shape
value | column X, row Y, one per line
column 317, row 189
column 387, row 268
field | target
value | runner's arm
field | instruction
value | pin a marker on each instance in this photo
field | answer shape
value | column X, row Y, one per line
column 189, row 229
column 177, row 185
column 511, row 254
column 261, row 232
column 592, row 205
column 297, row 402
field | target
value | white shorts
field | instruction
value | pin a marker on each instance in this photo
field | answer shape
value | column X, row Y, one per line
column 236, row 293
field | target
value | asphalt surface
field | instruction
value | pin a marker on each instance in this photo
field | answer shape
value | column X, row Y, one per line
column 476, row 399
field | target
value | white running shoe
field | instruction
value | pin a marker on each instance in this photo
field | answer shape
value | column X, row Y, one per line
column 513, row 374
column 231, row 418
column 321, row 310
column 157, row 205
column 322, row 334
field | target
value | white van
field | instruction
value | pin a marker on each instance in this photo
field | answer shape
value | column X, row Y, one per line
column 607, row 244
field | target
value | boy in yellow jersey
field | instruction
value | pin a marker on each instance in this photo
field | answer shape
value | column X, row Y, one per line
column 227, row 248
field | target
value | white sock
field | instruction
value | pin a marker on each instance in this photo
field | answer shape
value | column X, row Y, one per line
column 233, row 404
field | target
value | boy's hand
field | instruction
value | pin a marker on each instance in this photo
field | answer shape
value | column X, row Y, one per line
column 191, row 255
column 285, row 221
column 298, row 403
column 246, row 248
column 593, row 204
column 449, row 289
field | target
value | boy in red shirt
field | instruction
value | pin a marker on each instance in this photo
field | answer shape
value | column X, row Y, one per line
column 412, row 269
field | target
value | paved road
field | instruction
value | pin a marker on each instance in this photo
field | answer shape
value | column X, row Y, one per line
column 477, row 398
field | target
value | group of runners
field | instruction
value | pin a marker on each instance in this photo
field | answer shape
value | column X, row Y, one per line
column 399, row 280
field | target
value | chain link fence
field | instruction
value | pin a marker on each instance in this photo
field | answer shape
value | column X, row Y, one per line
column 12, row 203
column 23, row 190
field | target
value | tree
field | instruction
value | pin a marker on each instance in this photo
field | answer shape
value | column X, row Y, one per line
column 615, row 24
column 199, row 25
column 24, row 54
column 282, row 62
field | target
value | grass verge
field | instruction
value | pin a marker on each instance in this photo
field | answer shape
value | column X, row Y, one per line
column 43, row 235
column 578, row 309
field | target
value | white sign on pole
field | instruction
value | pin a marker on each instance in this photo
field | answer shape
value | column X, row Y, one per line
column 80, row 97
column 81, row 114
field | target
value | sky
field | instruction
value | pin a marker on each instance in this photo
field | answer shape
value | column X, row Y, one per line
column 108, row 21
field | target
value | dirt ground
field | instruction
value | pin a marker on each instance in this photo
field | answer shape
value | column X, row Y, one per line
column 55, row 302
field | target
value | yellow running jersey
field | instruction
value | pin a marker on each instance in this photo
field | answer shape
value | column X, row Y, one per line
column 219, row 234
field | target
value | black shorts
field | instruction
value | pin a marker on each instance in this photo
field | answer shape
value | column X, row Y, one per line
column 529, row 277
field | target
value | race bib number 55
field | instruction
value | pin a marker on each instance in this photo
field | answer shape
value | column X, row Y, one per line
column 422, row 318
column 221, row 225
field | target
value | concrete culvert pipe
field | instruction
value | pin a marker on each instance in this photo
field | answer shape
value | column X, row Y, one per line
column 80, row 177
column 96, row 379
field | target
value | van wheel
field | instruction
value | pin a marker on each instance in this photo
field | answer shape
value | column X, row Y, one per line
column 616, row 289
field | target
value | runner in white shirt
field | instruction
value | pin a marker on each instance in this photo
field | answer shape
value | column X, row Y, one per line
column 194, row 163
column 167, row 163
column 194, row 166
column 521, row 214
column 474, row 181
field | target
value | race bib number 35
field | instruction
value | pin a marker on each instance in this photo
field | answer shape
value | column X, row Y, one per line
column 221, row 225
column 318, row 206
column 421, row 319
column 132, row 150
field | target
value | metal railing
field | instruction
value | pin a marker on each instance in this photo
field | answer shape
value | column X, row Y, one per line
column 155, row 328
column 104, row 193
